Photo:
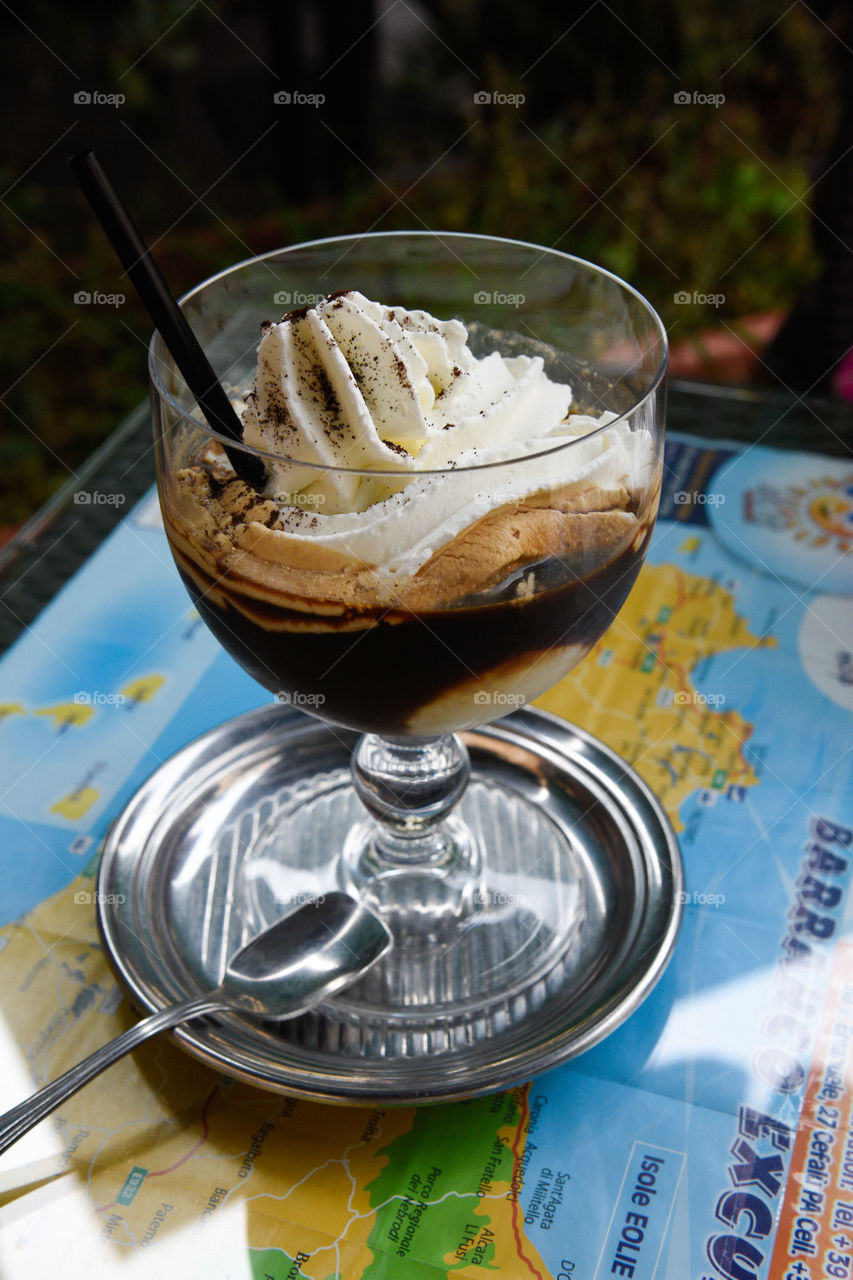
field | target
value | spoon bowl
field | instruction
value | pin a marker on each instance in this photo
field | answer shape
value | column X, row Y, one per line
column 307, row 955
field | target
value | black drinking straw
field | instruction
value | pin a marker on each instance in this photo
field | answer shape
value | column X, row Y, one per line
column 163, row 308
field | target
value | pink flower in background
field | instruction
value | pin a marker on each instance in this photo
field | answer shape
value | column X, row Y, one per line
column 842, row 379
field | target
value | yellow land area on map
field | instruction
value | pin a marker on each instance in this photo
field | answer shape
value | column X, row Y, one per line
column 161, row 1166
column 635, row 690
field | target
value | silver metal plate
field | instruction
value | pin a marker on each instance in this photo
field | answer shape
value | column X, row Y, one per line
column 171, row 908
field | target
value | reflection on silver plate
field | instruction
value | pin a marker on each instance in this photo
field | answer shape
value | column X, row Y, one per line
column 185, row 879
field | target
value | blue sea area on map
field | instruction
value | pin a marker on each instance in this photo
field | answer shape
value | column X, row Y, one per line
column 744, row 848
column 126, row 616
column 796, row 742
column 697, row 1035
column 80, row 732
column 606, row 1178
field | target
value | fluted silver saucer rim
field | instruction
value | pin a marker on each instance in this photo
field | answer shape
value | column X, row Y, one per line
column 130, row 908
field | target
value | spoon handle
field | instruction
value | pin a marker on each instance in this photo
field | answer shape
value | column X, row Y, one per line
column 15, row 1123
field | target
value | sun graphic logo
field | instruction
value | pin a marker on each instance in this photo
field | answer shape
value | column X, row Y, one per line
column 817, row 513
column 832, row 511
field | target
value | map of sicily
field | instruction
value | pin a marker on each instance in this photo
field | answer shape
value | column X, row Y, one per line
column 162, row 1159
column 161, row 1167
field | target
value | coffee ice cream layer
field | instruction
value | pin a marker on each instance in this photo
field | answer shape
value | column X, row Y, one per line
column 490, row 543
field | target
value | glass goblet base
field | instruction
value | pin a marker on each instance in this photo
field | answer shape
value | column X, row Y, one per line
column 478, row 928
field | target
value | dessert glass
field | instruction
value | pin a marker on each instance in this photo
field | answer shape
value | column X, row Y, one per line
column 480, row 886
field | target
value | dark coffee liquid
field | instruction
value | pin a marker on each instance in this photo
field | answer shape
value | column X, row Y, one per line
column 375, row 678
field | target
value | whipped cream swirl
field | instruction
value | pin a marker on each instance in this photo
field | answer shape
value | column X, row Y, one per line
column 354, row 384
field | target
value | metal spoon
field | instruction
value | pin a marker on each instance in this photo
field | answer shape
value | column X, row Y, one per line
column 299, row 961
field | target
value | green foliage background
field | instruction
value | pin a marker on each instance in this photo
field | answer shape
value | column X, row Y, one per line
column 599, row 160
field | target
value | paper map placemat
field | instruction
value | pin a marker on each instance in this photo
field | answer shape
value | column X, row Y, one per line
column 710, row 1136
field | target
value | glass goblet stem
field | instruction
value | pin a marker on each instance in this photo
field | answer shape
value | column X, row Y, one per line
column 409, row 787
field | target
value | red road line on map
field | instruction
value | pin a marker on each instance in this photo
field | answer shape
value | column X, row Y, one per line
column 741, row 740
column 157, row 1173
column 516, row 1169
column 205, row 1131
